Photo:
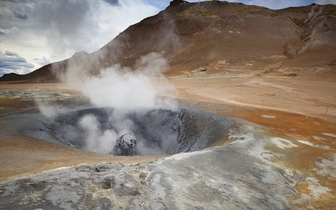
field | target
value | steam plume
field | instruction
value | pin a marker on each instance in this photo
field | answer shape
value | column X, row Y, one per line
column 124, row 90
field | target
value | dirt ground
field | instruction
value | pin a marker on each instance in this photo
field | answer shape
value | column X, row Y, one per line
column 291, row 107
column 300, row 109
column 314, row 97
column 21, row 155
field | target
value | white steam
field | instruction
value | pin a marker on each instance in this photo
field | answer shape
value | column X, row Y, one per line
column 120, row 90
column 124, row 90
column 314, row 13
column 97, row 140
column 49, row 110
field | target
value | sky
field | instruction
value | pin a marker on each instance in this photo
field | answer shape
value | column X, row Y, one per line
column 34, row 33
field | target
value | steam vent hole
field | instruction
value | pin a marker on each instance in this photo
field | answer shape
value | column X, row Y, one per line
column 154, row 132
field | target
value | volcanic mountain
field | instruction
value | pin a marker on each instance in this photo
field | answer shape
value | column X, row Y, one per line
column 217, row 37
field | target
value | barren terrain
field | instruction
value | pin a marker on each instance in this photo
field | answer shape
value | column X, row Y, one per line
column 283, row 105
column 274, row 69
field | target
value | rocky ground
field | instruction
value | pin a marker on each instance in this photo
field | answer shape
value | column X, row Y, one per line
column 285, row 162
column 237, row 176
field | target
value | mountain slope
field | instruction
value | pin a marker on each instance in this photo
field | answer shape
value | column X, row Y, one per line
column 220, row 37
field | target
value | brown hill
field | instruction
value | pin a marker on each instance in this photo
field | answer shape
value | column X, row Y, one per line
column 219, row 37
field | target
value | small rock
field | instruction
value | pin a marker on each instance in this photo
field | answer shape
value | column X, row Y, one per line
column 85, row 168
column 118, row 166
column 127, row 190
column 103, row 203
column 142, row 178
column 202, row 69
column 108, row 182
column 105, row 166
column 268, row 116
column 292, row 75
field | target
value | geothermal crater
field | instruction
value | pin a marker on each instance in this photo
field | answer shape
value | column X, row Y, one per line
column 151, row 132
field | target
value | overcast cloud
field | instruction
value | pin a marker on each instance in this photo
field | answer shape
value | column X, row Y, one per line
column 34, row 33
column 48, row 31
column 11, row 61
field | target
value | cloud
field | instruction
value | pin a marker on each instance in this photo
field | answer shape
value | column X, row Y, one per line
column 20, row 15
column 19, row 9
column 57, row 29
column 42, row 61
column 18, row 1
column 85, row 25
column 13, row 62
column 113, row 2
column 273, row 4
column 278, row 4
column 322, row 2
column 62, row 23
column 8, row 31
column 162, row 4
column 66, row 17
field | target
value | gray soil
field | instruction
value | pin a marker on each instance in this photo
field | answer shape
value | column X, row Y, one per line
column 238, row 175
column 156, row 132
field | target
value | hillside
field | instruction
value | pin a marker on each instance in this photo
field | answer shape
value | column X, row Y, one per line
column 220, row 37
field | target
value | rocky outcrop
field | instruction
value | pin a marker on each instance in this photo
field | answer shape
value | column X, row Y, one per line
column 126, row 145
